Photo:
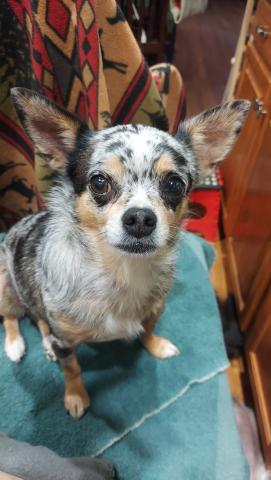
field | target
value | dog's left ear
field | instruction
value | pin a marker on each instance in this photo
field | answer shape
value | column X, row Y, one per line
column 52, row 129
column 213, row 133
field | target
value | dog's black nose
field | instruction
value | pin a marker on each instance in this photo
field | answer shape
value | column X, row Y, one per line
column 139, row 222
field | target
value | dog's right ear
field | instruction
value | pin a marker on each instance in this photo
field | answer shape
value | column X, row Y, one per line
column 53, row 130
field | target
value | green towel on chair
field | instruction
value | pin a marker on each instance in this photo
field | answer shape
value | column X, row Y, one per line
column 195, row 438
column 130, row 390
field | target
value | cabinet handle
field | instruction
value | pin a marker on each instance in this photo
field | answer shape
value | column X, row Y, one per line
column 262, row 31
column 258, row 107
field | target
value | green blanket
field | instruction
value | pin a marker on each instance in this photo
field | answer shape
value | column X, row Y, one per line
column 131, row 392
column 195, row 438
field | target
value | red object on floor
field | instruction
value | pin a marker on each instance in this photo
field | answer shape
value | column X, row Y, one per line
column 204, row 207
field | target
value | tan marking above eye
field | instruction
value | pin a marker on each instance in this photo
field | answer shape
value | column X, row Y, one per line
column 163, row 165
column 114, row 166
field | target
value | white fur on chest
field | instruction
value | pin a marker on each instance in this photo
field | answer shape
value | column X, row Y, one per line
column 110, row 300
column 120, row 328
column 120, row 303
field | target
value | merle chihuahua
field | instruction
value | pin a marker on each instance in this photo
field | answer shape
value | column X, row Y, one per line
column 98, row 264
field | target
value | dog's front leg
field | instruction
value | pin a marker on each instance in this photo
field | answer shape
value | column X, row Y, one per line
column 157, row 346
column 76, row 398
column 14, row 342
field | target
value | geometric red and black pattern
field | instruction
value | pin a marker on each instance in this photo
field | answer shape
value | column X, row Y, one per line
column 63, row 43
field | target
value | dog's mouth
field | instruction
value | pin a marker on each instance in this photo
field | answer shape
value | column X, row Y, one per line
column 137, row 247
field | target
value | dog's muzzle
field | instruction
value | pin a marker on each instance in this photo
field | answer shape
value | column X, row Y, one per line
column 139, row 222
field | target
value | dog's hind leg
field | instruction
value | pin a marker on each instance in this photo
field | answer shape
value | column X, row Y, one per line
column 14, row 342
column 47, row 340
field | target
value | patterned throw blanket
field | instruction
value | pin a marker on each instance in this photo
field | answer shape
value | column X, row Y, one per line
column 83, row 55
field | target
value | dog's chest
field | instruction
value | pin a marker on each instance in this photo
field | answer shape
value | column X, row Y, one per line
column 130, row 305
column 125, row 299
column 115, row 306
column 114, row 327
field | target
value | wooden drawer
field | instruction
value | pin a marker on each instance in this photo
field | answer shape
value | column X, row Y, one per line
column 248, row 226
column 252, row 230
column 258, row 287
column 259, row 74
column 254, row 83
column 261, row 31
column 258, row 352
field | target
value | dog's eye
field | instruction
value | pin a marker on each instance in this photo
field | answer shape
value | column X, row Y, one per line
column 173, row 184
column 100, row 184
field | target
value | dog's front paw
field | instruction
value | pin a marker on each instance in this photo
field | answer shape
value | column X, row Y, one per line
column 159, row 347
column 76, row 402
column 15, row 349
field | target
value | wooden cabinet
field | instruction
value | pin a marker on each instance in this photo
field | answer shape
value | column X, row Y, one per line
column 253, row 227
column 247, row 216
column 255, row 85
column 258, row 348
column 247, row 183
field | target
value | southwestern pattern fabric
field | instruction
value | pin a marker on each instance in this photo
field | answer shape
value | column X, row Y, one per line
column 81, row 54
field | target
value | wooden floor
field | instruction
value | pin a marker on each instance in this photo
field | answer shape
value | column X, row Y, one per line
column 204, row 46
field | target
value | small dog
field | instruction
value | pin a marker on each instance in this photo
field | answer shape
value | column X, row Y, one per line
column 99, row 263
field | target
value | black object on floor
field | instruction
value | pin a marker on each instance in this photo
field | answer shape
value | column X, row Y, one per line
column 232, row 333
